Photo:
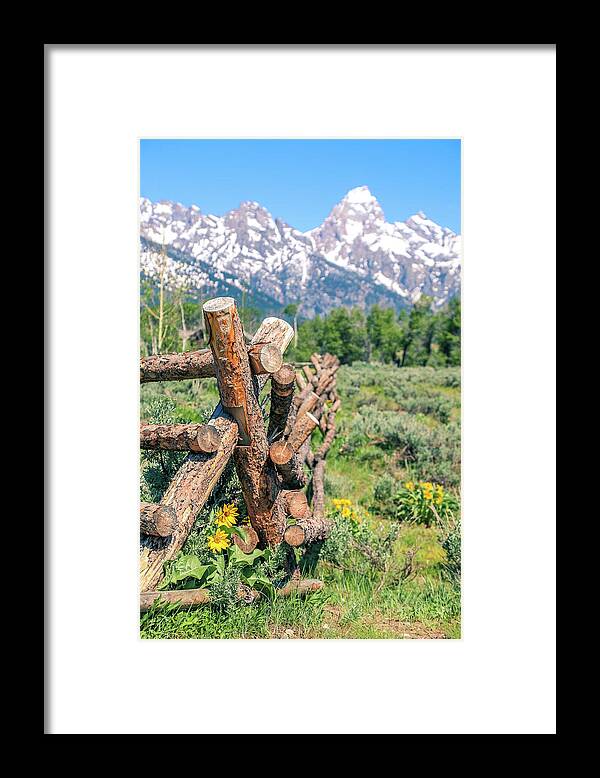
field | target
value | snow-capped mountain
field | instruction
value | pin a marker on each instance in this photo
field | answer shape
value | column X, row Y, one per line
column 354, row 258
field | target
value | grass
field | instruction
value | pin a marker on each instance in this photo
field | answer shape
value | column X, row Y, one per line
column 356, row 603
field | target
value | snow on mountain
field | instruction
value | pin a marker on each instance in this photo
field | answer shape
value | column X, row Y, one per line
column 355, row 257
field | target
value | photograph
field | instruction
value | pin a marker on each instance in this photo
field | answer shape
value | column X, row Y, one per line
column 300, row 388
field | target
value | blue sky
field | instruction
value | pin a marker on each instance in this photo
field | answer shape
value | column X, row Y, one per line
column 300, row 181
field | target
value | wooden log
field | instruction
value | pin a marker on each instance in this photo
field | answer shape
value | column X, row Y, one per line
column 226, row 340
column 300, row 380
column 305, row 454
column 299, row 587
column 295, row 407
column 307, row 530
column 336, row 406
column 180, row 437
column 301, row 430
column 174, row 367
column 187, row 493
column 255, row 471
column 308, row 373
column 264, row 358
column 187, row 598
column 318, row 489
column 326, row 378
column 198, row 474
column 157, row 520
column 282, row 394
column 321, row 452
column 309, row 403
column 292, row 473
column 194, row 598
column 316, row 362
column 249, row 543
column 296, row 504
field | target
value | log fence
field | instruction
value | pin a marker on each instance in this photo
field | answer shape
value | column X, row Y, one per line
column 275, row 463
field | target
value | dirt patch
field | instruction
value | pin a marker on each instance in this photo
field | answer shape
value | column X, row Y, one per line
column 334, row 626
column 406, row 629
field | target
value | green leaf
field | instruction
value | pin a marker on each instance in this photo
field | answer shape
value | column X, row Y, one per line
column 189, row 566
column 259, row 582
column 237, row 556
column 220, row 565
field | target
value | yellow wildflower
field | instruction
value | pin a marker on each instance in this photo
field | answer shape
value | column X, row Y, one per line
column 219, row 541
column 227, row 515
column 346, row 512
column 341, row 502
column 439, row 494
column 409, row 485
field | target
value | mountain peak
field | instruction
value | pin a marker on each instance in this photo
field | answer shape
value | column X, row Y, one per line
column 354, row 257
column 360, row 194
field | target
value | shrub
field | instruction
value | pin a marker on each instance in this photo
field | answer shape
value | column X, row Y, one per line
column 355, row 540
column 432, row 453
column 424, row 503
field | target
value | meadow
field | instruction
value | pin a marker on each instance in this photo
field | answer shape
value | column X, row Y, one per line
column 391, row 567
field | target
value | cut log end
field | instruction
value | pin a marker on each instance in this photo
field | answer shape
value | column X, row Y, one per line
column 294, row 535
column 157, row 520
column 218, row 304
column 207, row 440
column 265, row 358
column 296, row 504
column 250, row 542
column 280, row 452
column 284, row 377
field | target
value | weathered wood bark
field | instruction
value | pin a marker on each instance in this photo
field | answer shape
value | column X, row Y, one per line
column 194, row 598
column 255, row 470
column 198, row 474
column 302, row 429
column 300, row 587
column 265, row 358
column 226, row 340
column 187, row 493
column 315, row 359
column 318, row 489
column 292, row 474
column 307, row 530
column 309, row 403
column 190, row 598
column 297, row 402
column 321, row 452
column 308, row 373
column 157, row 520
column 187, row 598
column 282, row 394
column 180, row 437
column 174, row 367
column 300, row 380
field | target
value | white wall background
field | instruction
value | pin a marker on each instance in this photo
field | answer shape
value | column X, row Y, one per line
column 499, row 678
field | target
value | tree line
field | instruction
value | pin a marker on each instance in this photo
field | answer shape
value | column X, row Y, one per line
column 415, row 336
column 172, row 321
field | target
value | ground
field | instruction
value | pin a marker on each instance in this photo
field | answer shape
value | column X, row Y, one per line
column 394, row 424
